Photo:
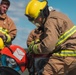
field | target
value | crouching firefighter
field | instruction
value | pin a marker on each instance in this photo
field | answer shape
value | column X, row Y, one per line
column 58, row 31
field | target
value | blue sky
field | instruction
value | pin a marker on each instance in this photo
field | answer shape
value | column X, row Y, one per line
column 24, row 27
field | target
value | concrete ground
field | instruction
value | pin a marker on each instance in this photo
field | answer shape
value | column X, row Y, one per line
column 24, row 73
column 73, row 72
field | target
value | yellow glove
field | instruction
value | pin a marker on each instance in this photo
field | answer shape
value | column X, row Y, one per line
column 4, row 34
column 33, row 46
column 30, row 48
column 1, row 44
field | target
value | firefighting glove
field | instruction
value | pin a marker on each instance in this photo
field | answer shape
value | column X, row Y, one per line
column 6, row 38
column 30, row 47
column 1, row 44
column 33, row 46
column 3, row 37
column 2, row 40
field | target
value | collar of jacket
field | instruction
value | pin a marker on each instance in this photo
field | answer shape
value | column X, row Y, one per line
column 3, row 16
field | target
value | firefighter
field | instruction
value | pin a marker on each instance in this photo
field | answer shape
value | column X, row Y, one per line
column 57, row 39
column 7, row 27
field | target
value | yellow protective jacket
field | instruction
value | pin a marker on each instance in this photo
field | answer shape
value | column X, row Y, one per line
column 56, row 25
column 7, row 23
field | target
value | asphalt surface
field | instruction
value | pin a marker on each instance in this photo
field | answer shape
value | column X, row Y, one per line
column 24, row 73
column 72, row 72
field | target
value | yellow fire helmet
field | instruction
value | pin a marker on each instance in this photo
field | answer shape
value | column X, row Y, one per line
column 33, row 8
column 1, row 44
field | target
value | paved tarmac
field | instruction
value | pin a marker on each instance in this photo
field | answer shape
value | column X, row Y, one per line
column 72, row 72
column 24, row 73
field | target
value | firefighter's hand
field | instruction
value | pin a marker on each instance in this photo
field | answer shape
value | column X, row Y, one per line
column 1, row 44
column 6, row 37
column 30, row 48
column 33, row 46
column 3, row 37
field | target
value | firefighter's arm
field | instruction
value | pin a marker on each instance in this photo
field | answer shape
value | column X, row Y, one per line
column 12, row 30
column 33, row 40
column 47, row 41
column 33, row 36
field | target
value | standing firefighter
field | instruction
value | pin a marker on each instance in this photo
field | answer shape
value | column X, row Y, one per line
column 57, row 39
column 7, row 27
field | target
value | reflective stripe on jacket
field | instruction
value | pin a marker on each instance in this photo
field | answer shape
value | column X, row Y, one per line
column 62, row 39
column 66, row 53
column 66, row 35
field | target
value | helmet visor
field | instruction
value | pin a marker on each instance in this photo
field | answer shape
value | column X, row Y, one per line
column 30, row 18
